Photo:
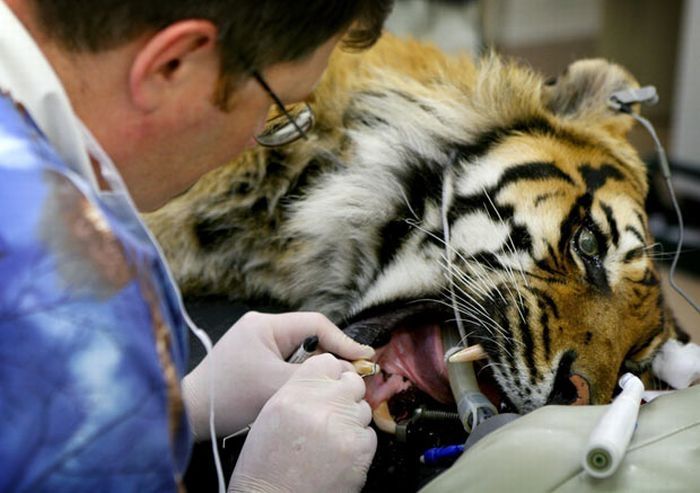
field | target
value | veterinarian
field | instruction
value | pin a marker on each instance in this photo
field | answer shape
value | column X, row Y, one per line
column 106, row 108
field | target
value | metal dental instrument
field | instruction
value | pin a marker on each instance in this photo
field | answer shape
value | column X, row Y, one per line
column 364, row 368
column 307, row 348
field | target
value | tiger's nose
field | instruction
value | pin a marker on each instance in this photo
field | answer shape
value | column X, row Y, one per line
column 572, row 391
column 583, row 391
column 570, row 388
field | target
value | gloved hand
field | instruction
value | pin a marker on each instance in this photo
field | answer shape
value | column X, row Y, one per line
column 311, row 436
column 248, row 366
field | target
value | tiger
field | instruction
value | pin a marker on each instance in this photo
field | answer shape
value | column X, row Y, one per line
column 436, row 189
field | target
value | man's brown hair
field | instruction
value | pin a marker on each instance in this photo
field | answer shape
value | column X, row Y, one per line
column 253, row 34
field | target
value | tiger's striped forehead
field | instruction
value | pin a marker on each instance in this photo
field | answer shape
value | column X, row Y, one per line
column 534, row 191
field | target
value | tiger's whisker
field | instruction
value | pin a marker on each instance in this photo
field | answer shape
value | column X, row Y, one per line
column 509, row 243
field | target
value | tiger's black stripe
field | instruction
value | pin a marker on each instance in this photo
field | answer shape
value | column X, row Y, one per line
column 658, row 330
column 636, row 233
column 307, row 177
column 614, row 232
column 572, row 220
column 642, row 223
column 554, row 256
column 547, row 299
column 468, row 204
column 633, row 255
column 499, row 310
column 488, row 259
column 642, row 297
column 649, row 279
column 546, row 196
column 521, row 239
column 542, row 197
column 535, row 125
column 533, row 171
column 544, row 322
column 596, row 178
column 527, row 340
column 421, row 182
column 543, row 264
column 551, row 280
column 212, row 232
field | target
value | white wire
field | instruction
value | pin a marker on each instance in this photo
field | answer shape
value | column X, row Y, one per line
column 206, row 342
column 446, row 188
column 666, row 171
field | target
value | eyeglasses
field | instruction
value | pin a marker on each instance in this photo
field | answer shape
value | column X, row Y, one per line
column 293, row 122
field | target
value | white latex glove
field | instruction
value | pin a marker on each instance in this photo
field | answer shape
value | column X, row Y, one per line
column 311, row 436
column 248, row 365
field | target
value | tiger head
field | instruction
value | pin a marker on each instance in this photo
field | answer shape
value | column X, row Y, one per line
column 521, row 199
column 435, row 193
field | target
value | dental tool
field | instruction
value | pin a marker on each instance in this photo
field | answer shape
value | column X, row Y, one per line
column 611, row 436
column 307, row 348
column 363, row 367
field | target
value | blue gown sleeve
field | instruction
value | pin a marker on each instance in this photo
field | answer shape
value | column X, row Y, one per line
column 87, row 403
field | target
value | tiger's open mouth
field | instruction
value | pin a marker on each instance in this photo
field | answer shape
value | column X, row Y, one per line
column 410, row 352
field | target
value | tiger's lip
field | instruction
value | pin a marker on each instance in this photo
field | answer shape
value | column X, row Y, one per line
column 373, row 326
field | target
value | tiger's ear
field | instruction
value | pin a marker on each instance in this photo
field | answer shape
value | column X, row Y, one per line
column 582, row 91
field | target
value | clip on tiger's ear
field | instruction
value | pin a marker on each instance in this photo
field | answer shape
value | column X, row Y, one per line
column 582, row 93
column 623, row 100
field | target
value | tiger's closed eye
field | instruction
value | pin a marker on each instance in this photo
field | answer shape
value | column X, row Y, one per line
column 587, row 243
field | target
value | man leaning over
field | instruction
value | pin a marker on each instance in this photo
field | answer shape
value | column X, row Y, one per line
column 108, row 107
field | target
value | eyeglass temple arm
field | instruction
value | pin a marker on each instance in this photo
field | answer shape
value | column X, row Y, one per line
column 279, row 103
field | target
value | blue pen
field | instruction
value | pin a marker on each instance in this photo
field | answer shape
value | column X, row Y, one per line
column 440, row 455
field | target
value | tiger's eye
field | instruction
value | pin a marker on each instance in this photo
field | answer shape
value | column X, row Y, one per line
column 587, row 243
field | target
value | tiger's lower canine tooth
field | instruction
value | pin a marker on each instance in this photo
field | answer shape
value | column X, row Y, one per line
column 471, row 353
column 383, row 419
column 366, row 368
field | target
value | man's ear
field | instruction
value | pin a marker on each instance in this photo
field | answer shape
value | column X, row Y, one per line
column 172, row 60
column 582, row 92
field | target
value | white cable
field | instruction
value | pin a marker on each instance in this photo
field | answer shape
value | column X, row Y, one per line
column 208, row 346
column 666, row 171
column 446, row 188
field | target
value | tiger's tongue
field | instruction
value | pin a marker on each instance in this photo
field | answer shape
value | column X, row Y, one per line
column 412, row 357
